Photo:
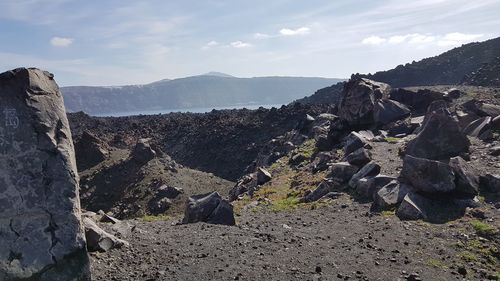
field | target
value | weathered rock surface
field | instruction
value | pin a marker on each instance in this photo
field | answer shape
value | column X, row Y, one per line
column 390, row 195
column 341, row 172
column 387, row 111
column 490, row 183
column 440, row 136
column 355, row 141
column 90, row 151
column 321, row 190
column 359, row 157
column 142, row 152
column 412, row 207
column 428, row 176
column 41, row 234
column 478, row 127
column 367, row 187
column 100, row 240
column 209, row 208
column 168, row 191
column 358, row 100
column 369, row 170
column 263, row 176
column 416, row 101
column 466, row 180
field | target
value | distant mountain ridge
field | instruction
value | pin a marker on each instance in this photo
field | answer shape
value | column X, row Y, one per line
column 213, row 89
column 448, row 68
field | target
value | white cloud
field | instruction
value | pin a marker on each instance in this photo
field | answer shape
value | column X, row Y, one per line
column 261, row 36
column 449, row 39
column 61, row 41
column 292, row 32
column 210, row 45
column 457, row 38
column 240, row 44
column 373, row 40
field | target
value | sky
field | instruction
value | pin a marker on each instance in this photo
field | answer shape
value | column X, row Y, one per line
column 122, row 42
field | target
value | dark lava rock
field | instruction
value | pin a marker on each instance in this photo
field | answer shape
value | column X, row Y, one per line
column 490, row 183
column 341, row 172
column 369, row 170
column 321, row 161
column 466, row 180
column 209, row 208
column 100, row 240
column 439, row 138
column 323, row 189
column 90, row 151
column 40, row 225
column 168, row 191
column 357, row 104
column 142, row 152
column 367, row 187
column 428, row 176
column 359, row 157
column 158, row 205
column 453, row 93
column 412, row 207
column 416, row 101
column 478, row 127
column 355, row 141
column 263, row 176
column 387, row 111
column 390, row 195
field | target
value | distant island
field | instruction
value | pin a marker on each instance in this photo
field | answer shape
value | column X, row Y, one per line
column 210, row 90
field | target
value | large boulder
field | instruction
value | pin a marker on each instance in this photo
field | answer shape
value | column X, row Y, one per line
column 341, row 172
column 391, row 195
column 209, row 208
column 367, row 187
column 369, row 170
column 357, row 140
column 466, row 179
column 428, row 176
column 90, row 151
column 490, row 183
column 412, row 207
column 478, row 127
column 263, row 176
column 100, row 240
column 359, row 157
column 440, row 136
column 358, row 100
column 142, row 152
column 482, row 109
column 41, row 233
column 321, row 190
column 387, row 111
column 416, row 101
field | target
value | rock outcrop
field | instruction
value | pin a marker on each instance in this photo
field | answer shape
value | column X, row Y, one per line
column 209, row 208
column 40, row 226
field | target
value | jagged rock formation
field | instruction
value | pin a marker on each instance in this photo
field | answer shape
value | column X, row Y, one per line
column 40, row 227
column 449, row 68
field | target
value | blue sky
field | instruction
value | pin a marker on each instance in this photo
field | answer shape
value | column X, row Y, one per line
column 115, row 42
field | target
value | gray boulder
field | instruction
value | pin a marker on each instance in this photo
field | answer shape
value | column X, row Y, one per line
column 355, row 141
column 341, row 172
column 142, row 152
column 490, row 183
column 418, row 101
column 100, row 240
column 387, row 111
column 168, row 191
column 477, row 127
column 439, row 138
column 359, row 157
column 390, row 195
column 41, row 233
column 358, row 100
column 428, row 176
column 369, row 170
column 367, row 187
column 412, row 207
column 321, row 190
column 263, row 176
column 209, row 208
column 466, row 180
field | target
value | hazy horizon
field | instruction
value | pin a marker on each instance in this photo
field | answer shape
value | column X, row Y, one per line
column 130, row 42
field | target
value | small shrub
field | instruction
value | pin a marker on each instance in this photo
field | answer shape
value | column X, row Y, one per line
column 152, row 218
column 483, row 229
column 392, row 140
column 285, row 204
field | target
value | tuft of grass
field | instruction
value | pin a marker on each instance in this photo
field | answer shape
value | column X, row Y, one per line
column 468, row 256
column 388, row 213
column 308, row 148
column 285, row 204
column 151, row 218
column 483, row 229
column 392, row 139
column 437, row 264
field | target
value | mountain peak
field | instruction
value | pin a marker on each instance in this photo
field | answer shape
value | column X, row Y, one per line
column 218, row 74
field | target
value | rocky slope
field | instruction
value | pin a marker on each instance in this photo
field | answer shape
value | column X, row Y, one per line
column 487, row 75
column 448, row 68
column 191, row 92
